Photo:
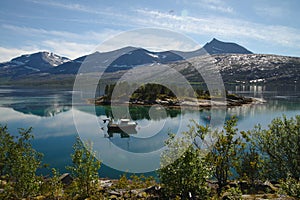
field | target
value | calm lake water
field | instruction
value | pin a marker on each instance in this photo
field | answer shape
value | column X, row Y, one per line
column 50, row 113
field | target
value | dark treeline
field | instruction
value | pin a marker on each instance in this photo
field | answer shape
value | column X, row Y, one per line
column 151, row 91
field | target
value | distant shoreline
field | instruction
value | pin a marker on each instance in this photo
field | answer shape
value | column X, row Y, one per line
column 189, row 103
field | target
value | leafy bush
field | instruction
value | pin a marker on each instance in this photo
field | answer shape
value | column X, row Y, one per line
column 232, row 193
column 84, row 169
column 52, row 188
column 280, row 144
column 224, row 157
column 250, row 163
column 185, row 176
column 290, row 186
column 19, row 163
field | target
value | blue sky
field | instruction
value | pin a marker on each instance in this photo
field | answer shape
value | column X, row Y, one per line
column 73, row 28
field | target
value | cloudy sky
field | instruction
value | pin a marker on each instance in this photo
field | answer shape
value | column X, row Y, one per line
column 73, row 28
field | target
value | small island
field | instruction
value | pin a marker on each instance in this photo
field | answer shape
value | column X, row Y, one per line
column 155, row 94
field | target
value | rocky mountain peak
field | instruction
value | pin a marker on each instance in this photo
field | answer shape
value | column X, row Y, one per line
column 216, row 46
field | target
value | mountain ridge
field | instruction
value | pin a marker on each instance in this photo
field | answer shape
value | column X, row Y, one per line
column 120, row 59
column 237, row 64
column 207, row 47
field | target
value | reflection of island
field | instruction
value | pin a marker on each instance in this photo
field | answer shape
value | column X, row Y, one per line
column 142, row 112
column 123, row 133
column 207, row 116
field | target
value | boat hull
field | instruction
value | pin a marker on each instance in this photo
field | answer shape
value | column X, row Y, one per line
column 129, row 129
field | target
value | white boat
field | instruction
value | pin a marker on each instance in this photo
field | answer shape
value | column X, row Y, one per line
column 122, row 125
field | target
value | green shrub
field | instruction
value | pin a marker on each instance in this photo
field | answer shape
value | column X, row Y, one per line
column 280, row 144
column 290, row 186
column 186, row 176
column 19, row 163
column 52, row 188
column 224, row 157
column 232, row 193
column 84, row 170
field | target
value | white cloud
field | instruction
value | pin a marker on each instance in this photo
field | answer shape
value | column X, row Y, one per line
column 61, row 124
column 7, row 54
column 78, row 7
column 91, row 36
column 270, row 11
column 221, row 26
column 69, row 49
column 214, row 5
column 72, row 44
column 40, row 32
column 153, row 39
column 63, row 43
column 73, row 6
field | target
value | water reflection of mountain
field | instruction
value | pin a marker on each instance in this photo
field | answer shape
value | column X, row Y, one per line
column 44, row 103
column 40, row 110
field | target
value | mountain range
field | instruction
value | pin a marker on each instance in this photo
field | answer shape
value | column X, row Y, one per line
column 236, row 64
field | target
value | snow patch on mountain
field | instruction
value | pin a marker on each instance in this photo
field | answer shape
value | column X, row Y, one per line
column 54, row 59
column 153, row 55
column 32, row 68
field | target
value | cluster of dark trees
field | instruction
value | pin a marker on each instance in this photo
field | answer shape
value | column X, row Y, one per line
column 152, row 91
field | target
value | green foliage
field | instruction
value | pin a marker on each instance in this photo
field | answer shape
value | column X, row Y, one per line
column 141, row 181
column 123, row 183
column 53, row 187
column 280, row 143
column 290, row 186
column 186, row 164
column 250, row 163
column 151, row 92
column 19, row 163
column 134, row 182
column 130, row 187
column 201, row 94
column 224, row 157
column 6, row 142
column 188, row 174
column 185, row 176
column 232, row 193
column 84, row 169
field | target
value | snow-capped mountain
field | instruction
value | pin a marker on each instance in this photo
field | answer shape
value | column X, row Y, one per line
column 40, row 59
column 236, row 64
column 120, row 59
column 259, row 68
column 247, row 68
column 31, row 63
